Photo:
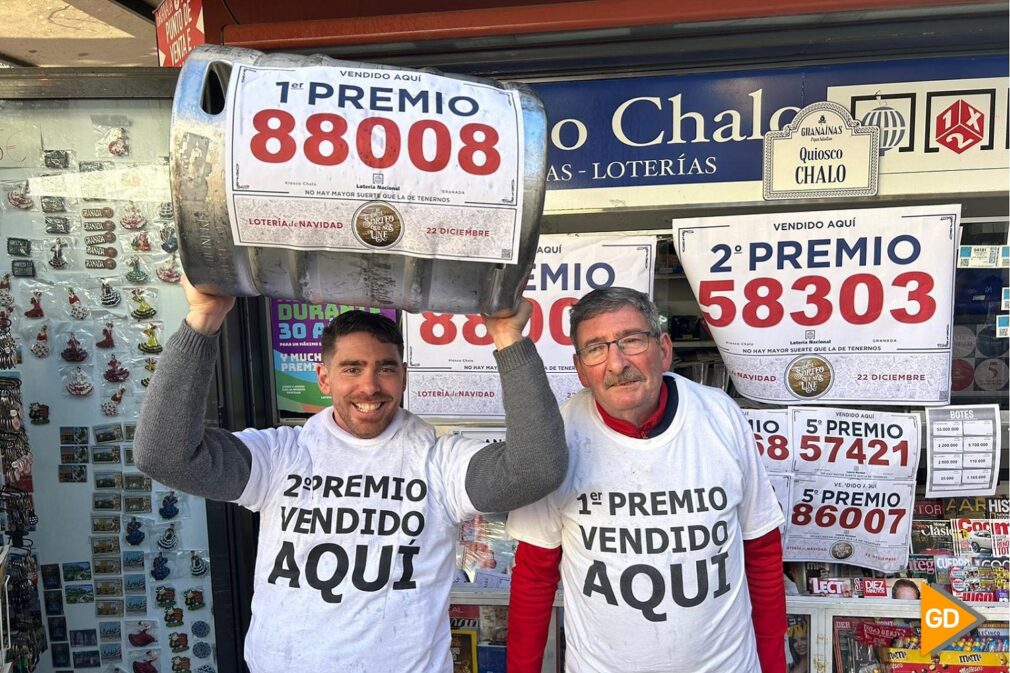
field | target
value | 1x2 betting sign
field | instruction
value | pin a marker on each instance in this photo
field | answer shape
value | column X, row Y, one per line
column 374, row 159
column 845, row 306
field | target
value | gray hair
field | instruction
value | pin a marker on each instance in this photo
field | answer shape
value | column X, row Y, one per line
column 608, row 299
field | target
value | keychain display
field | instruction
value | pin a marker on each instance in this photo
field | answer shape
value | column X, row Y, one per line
column 75, row 351
column 8, row 345
column 150, row 343
column 137, row 274
column 115, row 372
column 40, row 348
column 143, row 309
column 18, row 196
column 169, row 271
column 77, row 382
column 6, row 295
column 110, row 296
column 75, row 308
column 111, row 406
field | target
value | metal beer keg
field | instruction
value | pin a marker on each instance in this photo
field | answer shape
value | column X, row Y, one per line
column 215, row 264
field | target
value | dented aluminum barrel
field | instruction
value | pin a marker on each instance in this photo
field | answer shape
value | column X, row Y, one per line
column 214, row 264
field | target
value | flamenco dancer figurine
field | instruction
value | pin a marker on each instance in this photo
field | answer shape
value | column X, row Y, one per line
column 18, row 197
column 141, row 636
column 169, row 241
column 150, row 345
column 58, row 261
column 36, row 301
column 8, row 347
column 80, row 385
column 169, row 271
column 110, row 295
column 6, row 296
column 150, row 364
column 141, row 243
column 110, row 407
column 107, row 339
column 136, row 274
column 198, row 565
column 132, row 217
column 40, row 348
column 78, row 311
column 143, row 311
column 116, row 373
column 134, row 534
column 169, row 506
column 74, row 352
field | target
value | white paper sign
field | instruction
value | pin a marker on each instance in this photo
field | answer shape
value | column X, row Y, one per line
column 358, row 159
column 963, row 449
column 848, row 306
column 854, row 480
column 451, row 370
column 771, row 435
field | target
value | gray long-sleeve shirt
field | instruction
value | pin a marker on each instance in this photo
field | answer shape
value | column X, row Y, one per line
column 173, row 446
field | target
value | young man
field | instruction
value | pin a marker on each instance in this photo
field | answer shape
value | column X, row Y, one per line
column 359, row 507
column 665, row 528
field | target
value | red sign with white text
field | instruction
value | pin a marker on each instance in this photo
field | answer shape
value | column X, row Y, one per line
column 179, row 27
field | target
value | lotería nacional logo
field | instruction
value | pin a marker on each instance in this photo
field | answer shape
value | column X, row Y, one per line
column 809, row 376
column 378, row 225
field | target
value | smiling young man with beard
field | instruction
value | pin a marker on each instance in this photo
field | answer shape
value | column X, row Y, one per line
column 665, row 530
column 360, row 507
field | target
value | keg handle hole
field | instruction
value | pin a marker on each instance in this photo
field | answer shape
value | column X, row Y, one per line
column 215, row 88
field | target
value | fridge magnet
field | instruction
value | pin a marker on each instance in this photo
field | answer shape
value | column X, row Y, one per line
column 101, row 264
column 57, row 224
column 110, row 588
column 19, row 198
column 6, row 295
column 202, row 650
column 87, row 659
column 136, row 605
column 23, row 268
column 110, row 407
column 80, row 593
column 54, row 602
column 141, row 634
column 105, row 523
column 105, row 454
column 53, row 204
column 61, row 654
column 169, row 271
column 104, row 502
column 104, row 544
column 145, row 662
column 159, row 568
column 108, row 631
column 35, row 309
column 193, row 598
column 135, row 584
column 99, row 213
column 150, row 344
column 58, row 259
column 78, row 383
column 72, row 474
column 19, row 247
column 111, row 565
column 109, row 607
column 150, row 364
column 141, row 242
column 116, row 141
column 128, row 455
column 133, row 560
column 173, row 617
column 58, row 159
column 109, row 252
column 100, row 238
column 8, row 345
column 169, row 506
column 74, row 352
column 198, row 565
column 165, row 210
column 110, row 296
column 138, row 504
column 178, row 642
column 109, row 432
column 206, row 668
column 137, row 481
column 168, row 540
column 181, row 664
column 40, row 348
column 76, row 571
column 38, row 413
column 73, row 434
column 129, row 430
column 136, row 274
column 51, row 578
column 111, row 653
column 200, row 629
column 132, row 217
column 135, row 533
column 75, row 309
column 169, row 240
column 164, row 596
column 108, row 340
column 57, row 628
column 143, row 310
column 109, row 480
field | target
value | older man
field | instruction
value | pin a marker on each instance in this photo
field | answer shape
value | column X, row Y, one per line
column 665, row 529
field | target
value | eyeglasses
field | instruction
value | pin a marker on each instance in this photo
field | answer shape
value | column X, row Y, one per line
column 630, row 344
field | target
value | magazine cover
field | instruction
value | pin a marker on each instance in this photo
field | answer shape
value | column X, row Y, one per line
column 931, row 537
column 463, row 645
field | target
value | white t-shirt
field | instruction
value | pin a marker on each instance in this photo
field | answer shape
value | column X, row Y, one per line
column 356, row 546
column 652, row 532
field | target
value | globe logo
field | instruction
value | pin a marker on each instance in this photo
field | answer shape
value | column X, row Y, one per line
column 891, row 123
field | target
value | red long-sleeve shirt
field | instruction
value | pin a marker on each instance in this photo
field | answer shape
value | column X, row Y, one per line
column 537, row 572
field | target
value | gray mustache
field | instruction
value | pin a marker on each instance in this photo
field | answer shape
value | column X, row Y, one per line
column 627, row 376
